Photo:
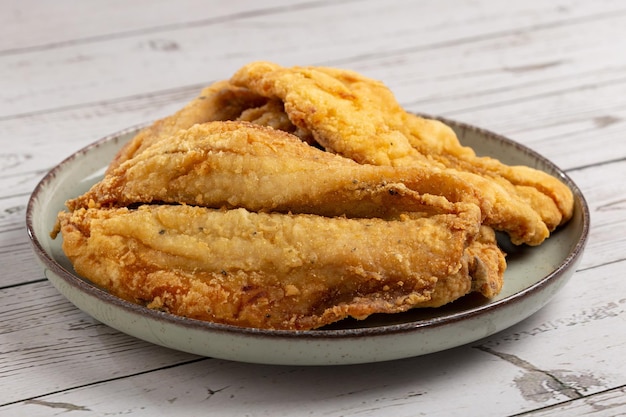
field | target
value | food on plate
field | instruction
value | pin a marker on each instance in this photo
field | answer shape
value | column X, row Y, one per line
column 486, row 266
column 236, row 164
column 271, row 270
column 219, row 101
column 292, row 198
column 239, row 164
column 359, row 118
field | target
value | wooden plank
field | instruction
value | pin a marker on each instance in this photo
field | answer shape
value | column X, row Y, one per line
column 231, row 389
column 587, row 109
column 48, row 138
column 83, row 73
column 512, row 370
column 604, row 192
column 48, row 344
column 578, row 321
column 82, row 22
column 548, row 74
column 17, row 257
column 610, row 403
column 12, row 212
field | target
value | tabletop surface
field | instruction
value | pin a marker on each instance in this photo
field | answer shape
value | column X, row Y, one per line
column 548, row 74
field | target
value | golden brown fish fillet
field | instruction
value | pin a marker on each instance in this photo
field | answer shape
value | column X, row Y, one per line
column 230, row 211
column 272, row 114
column 359, row 118
column 238, row 164
column 486, row 266
column 437, row 140
column 219, row 101
column 268, row 270
column 547, row 195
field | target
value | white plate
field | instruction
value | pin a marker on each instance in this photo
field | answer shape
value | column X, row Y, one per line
column 533, row 276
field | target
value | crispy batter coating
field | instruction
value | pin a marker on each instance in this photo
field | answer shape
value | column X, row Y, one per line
column 268, row 270
column 239, row 164
column 359, row 118
column 292, row 198
column 486, row 267
column 219, row 101
column 272, row 114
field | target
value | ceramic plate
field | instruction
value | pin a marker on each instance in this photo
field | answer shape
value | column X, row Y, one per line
column 533, row 276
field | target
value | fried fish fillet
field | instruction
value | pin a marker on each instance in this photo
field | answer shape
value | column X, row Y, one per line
column 270, row 270
column 272, row 114
column 437, row 140
column 359, row 118
column 236, row 164
column 486, row 267
column 219, row 101
column 291, row 198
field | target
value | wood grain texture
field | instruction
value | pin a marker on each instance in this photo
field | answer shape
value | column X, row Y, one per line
column 549, row 75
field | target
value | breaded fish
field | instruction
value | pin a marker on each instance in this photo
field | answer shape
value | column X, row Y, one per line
column 219, row 101
column 360, row 119
column 272, row 114
column 269, row 270
column 236, row 164
column 486, row 267
column 292, row 198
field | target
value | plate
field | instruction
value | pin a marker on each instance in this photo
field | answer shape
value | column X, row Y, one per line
column 533, row 277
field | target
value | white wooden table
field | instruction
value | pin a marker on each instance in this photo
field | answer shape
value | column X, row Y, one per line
column 548, row 74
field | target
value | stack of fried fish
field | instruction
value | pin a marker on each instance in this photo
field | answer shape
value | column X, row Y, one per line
column 292, row 198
